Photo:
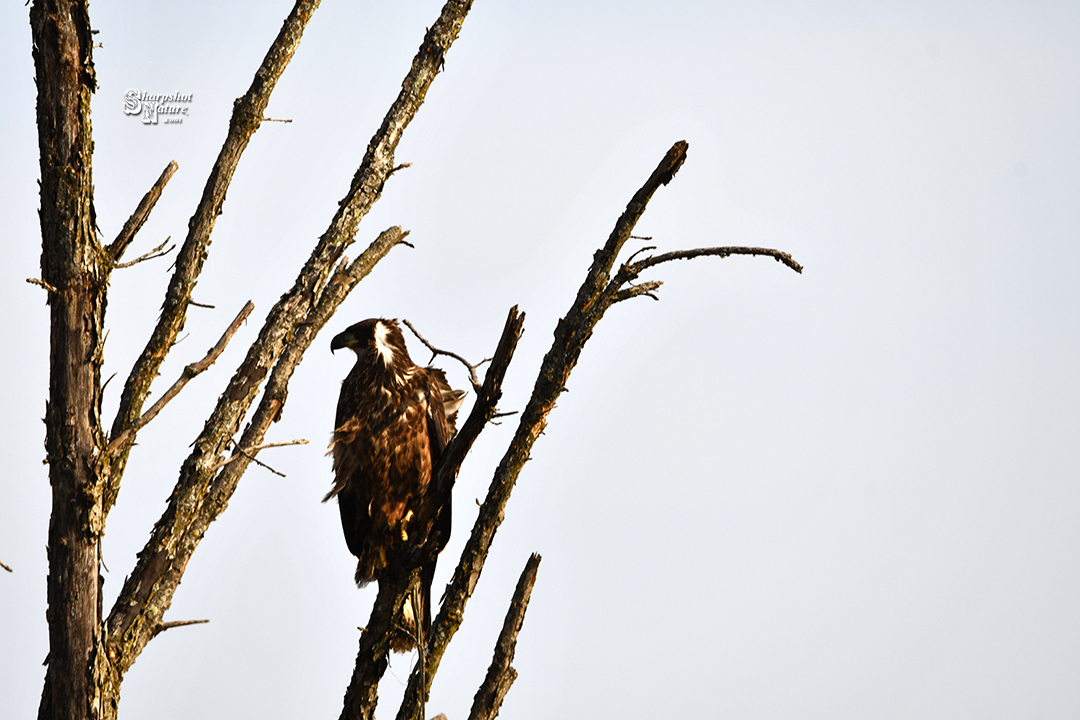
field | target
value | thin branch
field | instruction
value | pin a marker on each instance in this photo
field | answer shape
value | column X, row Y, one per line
column 435, row 352
column 190, row 372
column 646, row 288
column 779, row 256
column 250, row 453
column 621, row 287
column 42, row 283
column 162, row 627
column 155, row 253
column 2, row 565
column 270, row 119
column 246, row 117
column 500, row 675
column 142, row 212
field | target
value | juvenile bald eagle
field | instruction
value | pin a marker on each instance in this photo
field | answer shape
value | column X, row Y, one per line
column 393, row 422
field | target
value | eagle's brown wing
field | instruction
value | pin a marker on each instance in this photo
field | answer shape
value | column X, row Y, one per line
column 382, row 452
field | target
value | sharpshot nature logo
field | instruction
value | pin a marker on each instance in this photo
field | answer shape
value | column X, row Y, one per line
column 171, row 109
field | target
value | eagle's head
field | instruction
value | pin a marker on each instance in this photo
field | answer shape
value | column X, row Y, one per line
column 374, row 340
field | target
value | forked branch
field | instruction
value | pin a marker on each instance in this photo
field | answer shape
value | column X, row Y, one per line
column 204, row 487
column 142, row 212
column 621, row 287
column 570, row 336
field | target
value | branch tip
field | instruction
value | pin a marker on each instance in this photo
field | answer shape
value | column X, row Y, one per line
column 162, row 627
column 42, row 283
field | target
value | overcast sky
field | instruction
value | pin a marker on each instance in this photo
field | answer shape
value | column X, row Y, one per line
column 849, row 494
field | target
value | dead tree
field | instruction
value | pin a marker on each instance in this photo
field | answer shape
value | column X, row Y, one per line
column 90, row 649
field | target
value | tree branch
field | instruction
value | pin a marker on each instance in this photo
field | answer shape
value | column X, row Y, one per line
column 629, row 270
column 246, row 118
column 500, row 675
column 189, row 373
column 142, row 212
column 779, row 256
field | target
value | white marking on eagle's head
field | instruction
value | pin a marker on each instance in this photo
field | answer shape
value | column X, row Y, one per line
column 381, row 346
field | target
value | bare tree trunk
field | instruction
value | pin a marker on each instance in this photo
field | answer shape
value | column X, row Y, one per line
column 74, row 270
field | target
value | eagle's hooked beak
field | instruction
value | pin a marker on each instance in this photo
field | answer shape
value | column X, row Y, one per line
column 342, row 340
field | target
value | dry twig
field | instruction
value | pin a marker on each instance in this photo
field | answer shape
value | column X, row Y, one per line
column 250, row 454
column 155, row 253
column 435, row 352
column 162, row 627
column 42, row 283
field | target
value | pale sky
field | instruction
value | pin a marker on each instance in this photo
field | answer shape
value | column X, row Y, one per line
column 849, row 494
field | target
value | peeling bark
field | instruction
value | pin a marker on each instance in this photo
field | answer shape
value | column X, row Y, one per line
column 75, row 269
